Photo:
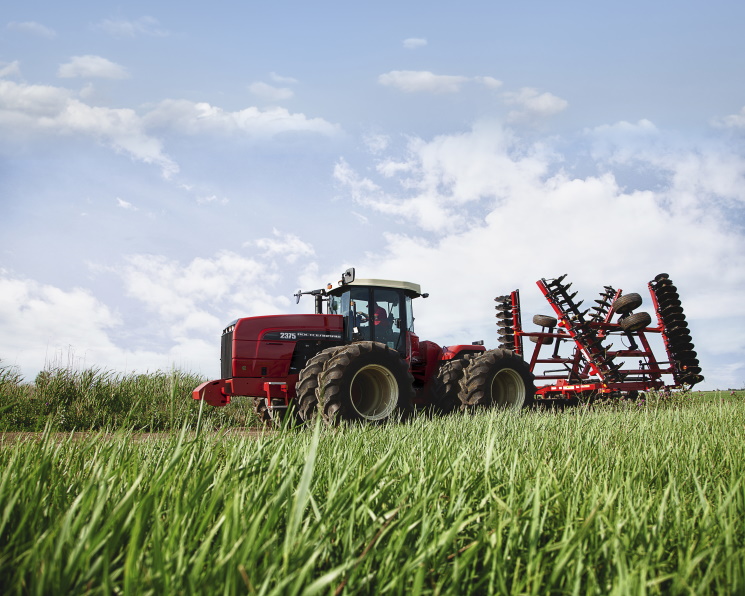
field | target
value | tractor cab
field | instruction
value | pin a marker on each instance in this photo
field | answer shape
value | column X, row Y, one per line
column 375, row 310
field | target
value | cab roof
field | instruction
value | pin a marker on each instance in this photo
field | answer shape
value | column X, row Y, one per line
column 415, row 290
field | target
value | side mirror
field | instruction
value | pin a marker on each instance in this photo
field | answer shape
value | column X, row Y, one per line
column 348, row 276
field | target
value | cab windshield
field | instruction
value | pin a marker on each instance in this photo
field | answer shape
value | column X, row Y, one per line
column 374, row 314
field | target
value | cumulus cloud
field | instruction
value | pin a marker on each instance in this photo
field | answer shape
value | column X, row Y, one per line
column 38, row 320
column 269, row 92
column 9, row 69
column 195, row 300
column 412, row 43
column 736, row 121
column 412, row 81
column 207, row 199
column 91, row 66
column 125, row 205
column 146, row 25
column 285, row 245
column 424, row 81
column 33, row 28
column 532, row 104
column 282, row 80
column 27, row 110
column 42, row 109
column 189, row 117
column 481, row 213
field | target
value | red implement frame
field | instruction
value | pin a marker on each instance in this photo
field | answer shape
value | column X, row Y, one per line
column 594, row 368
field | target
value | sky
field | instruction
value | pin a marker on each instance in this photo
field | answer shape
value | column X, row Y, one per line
column 167, row 168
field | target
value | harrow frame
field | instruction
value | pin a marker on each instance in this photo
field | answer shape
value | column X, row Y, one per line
column 593, row 369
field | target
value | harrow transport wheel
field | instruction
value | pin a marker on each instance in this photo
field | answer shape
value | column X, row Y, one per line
column 545, row 321
column 447, row 385
column 626, row 303
column 366, row 381
column 305, row 388
column 497, row 378
column 636, row 321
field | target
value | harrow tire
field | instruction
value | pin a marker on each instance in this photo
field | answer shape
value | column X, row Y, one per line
column 546, row 341
column 545, row 321
column 365, row 381
column 626, row 303
column 635, row 321
column 497, row 379
column 447, row 385
column 307, row 383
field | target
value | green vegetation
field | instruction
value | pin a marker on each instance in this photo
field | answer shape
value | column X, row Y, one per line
column 91, row 399
column 625, row 500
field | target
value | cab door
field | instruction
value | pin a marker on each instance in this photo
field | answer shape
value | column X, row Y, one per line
column 388, row 318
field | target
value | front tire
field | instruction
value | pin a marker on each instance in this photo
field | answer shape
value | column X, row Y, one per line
column 497, row 379
column 307, row 383
column 364, row 381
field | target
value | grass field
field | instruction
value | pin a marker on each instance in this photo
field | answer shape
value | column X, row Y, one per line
column 644, row 499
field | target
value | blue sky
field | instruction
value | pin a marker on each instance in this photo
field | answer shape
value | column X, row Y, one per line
column 165, row 169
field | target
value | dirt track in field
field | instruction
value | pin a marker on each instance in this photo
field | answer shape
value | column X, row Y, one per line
column 7, row 438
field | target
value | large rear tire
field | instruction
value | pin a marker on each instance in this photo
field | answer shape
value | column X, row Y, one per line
column 307, row 383
column 497, row 379
column 365, row 381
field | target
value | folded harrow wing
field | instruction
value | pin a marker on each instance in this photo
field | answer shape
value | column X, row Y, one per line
column 603, row 350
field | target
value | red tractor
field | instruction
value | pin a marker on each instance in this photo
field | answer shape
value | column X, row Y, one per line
column 360, row 360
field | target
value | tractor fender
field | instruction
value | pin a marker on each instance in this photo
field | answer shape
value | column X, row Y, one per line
column 453, row 352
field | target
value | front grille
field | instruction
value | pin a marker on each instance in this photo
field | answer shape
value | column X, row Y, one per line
column 226, row 353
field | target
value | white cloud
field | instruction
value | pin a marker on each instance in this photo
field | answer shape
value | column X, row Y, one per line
column 202, row 118
column 413, row 81
column 376, row 142
column 188, row 298
column 42, row 109
column 732, row 121
column 91, row 66
column 10, row 69
column 37, row 110
column 34, row 28
column 146, row 25
column 489, row 82
column 38, row 320
column 424, row 81
column 268, row 92
column 532, row 104
column 283, row 80
column 205, row 200
column 414, row 42
column 285, row 245
column 125, row 205
column 482, row 213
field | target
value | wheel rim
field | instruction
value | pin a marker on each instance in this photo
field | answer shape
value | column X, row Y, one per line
column 374, row 392
column 508, row 389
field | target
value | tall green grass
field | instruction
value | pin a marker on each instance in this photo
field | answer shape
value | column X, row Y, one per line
column 94, row 398
column 645, row 500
